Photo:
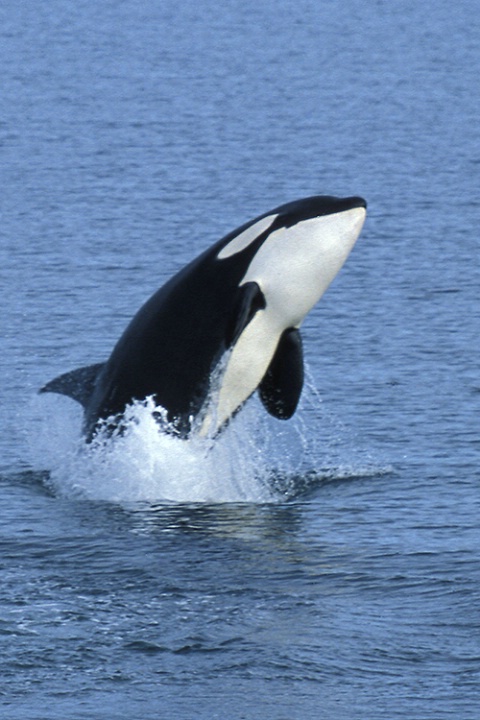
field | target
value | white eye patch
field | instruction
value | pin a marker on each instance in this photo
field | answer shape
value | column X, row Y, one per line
column 243, row 240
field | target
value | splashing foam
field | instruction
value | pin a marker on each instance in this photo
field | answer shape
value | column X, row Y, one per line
column 256, row 459
column 145, row 464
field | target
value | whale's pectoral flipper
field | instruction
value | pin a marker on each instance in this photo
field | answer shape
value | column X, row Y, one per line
column 281, row 387
column 250, row 300
column 77, row 384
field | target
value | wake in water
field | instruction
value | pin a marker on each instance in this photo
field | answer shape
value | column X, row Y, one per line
column 256, row 459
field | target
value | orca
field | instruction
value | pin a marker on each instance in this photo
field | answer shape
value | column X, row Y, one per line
column 226, row 325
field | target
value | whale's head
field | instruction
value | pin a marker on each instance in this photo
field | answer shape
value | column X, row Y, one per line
column 286, row 259
column 294, row 252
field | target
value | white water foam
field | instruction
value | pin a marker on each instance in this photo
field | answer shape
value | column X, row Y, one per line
column 145, row 464
column 256, row 459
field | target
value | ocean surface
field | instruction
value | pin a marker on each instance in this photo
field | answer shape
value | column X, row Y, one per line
column 325, row 567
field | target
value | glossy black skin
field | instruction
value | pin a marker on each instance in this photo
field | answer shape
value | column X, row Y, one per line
column 176, row 339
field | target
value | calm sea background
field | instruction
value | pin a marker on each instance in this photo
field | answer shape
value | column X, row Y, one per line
column 324, row 568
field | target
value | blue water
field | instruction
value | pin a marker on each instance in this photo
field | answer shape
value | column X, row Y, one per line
column 324, row 568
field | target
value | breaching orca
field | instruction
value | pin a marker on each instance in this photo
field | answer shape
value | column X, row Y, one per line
column 226, row 325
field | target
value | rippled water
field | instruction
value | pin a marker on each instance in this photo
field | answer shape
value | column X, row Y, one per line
column 325, row 567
